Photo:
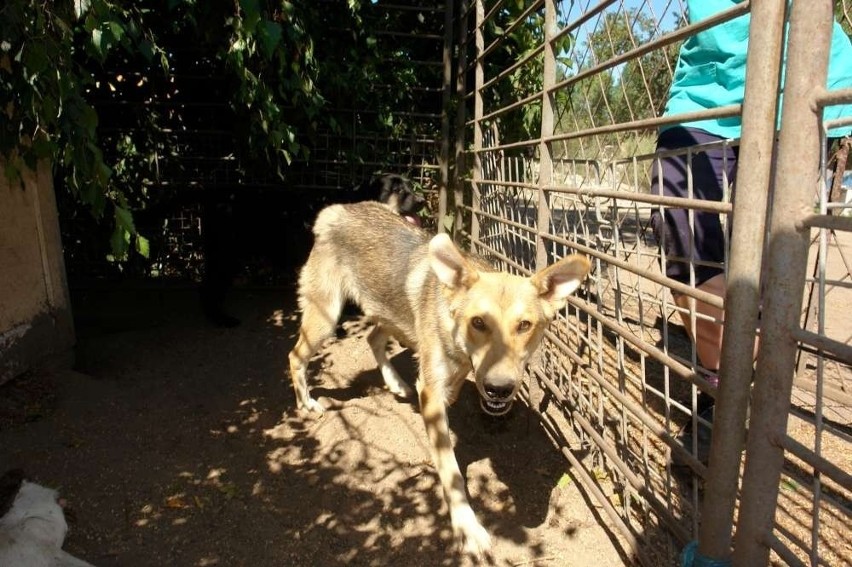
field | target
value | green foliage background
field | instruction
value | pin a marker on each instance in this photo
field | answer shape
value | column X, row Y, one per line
column 276, row 55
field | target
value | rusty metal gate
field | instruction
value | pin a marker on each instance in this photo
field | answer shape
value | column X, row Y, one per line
column 553, row 153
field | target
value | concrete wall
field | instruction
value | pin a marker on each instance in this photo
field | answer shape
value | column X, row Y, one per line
column 36, row 328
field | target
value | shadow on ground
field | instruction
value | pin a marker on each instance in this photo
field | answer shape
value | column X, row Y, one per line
column 177, row 443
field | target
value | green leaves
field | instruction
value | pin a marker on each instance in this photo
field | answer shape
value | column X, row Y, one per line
column 270, row 37
column 278, row 59
column 43, row 83
column 81, row 7
column 124, row 230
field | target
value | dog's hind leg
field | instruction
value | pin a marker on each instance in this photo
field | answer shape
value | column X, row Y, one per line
column 378, row 339
column 320, row 313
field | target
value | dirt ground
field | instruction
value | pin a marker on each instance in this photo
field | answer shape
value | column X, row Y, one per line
column 177, row 443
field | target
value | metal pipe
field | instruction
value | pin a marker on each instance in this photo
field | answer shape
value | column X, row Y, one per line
column 478, row 106
column 796, row 170
column 461, row 109
column 511, row 27
column 830, row 98
column 833, row 394
column 446, row 104
column 611, row 453
column 652, row 275
column 638, row 413
column 782, row 550
column 648, row 123
column 643, row 124
column 841, row 350
column 671, row 202
column 831, row 222
column 820, row 464
column 667, row 39
column 742, row 299
column 548, row 103
column 681, row 370
column 590, row 485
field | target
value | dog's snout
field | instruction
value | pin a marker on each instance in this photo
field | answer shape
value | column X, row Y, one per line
column 500, row 389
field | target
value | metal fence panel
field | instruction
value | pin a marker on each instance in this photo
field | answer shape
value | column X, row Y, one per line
column 559, row 147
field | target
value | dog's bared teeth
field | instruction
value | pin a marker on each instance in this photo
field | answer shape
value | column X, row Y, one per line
column 494, row 408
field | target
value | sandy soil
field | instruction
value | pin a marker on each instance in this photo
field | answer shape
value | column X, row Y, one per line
column 176, row 443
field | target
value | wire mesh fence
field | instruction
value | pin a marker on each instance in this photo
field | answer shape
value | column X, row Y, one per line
column 560, row 155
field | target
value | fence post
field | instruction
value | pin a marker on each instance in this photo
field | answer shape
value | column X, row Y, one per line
column 795, row 178
column 478, row 111
column 545, row 174
column 461, row 115
column 742, row 299
column 446, row 104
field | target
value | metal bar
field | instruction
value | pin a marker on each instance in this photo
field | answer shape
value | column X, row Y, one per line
column 742, row 298
column 640, row 415
column 776, row 545
column 837, row 122
column 610, row 451
column 652, row 275
column 674, row 285
column 648, row 123
column 478, row 106
column 446, row 104
column 500, row 256
column 819, row 463
column 461, row 109
column 831, row 222
column 841, row 350
column 833, row 394
column 490, row 14
column 509, row 29
column 548, row 102
column 585, row 17
column 671, row 202
column 589, row 484
column 535, row 97
column 675, row 366
column 517, row 65
column 667, row 39
column 798, row 160
column 831, row 98
column 643, row 124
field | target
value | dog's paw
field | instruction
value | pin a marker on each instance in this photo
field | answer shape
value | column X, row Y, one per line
column 312, row 406
column 470, row 536
column 401, row 390
column 395, row 384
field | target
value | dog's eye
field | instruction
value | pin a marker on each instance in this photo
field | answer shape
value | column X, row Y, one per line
column 478, row 323
column 524, row 326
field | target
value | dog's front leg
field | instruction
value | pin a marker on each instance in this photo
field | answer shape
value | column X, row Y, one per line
column 468, row 532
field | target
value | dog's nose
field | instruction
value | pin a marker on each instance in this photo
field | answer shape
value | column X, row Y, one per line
column 500, row 391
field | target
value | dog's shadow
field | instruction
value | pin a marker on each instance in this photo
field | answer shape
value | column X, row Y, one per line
column 511, row 467
column 366, row 383
column 513, row 490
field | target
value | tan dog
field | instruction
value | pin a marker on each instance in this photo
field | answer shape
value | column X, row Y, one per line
column 459, row 314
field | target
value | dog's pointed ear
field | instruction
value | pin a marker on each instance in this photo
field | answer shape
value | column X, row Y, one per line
column 448, row 263
column 556, row 282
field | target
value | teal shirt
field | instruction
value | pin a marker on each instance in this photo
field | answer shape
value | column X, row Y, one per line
column 710, row 71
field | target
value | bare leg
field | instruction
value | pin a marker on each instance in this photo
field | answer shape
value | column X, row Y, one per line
column 707, row 335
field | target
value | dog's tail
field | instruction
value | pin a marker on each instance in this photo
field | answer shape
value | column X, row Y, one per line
column 327, row 219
